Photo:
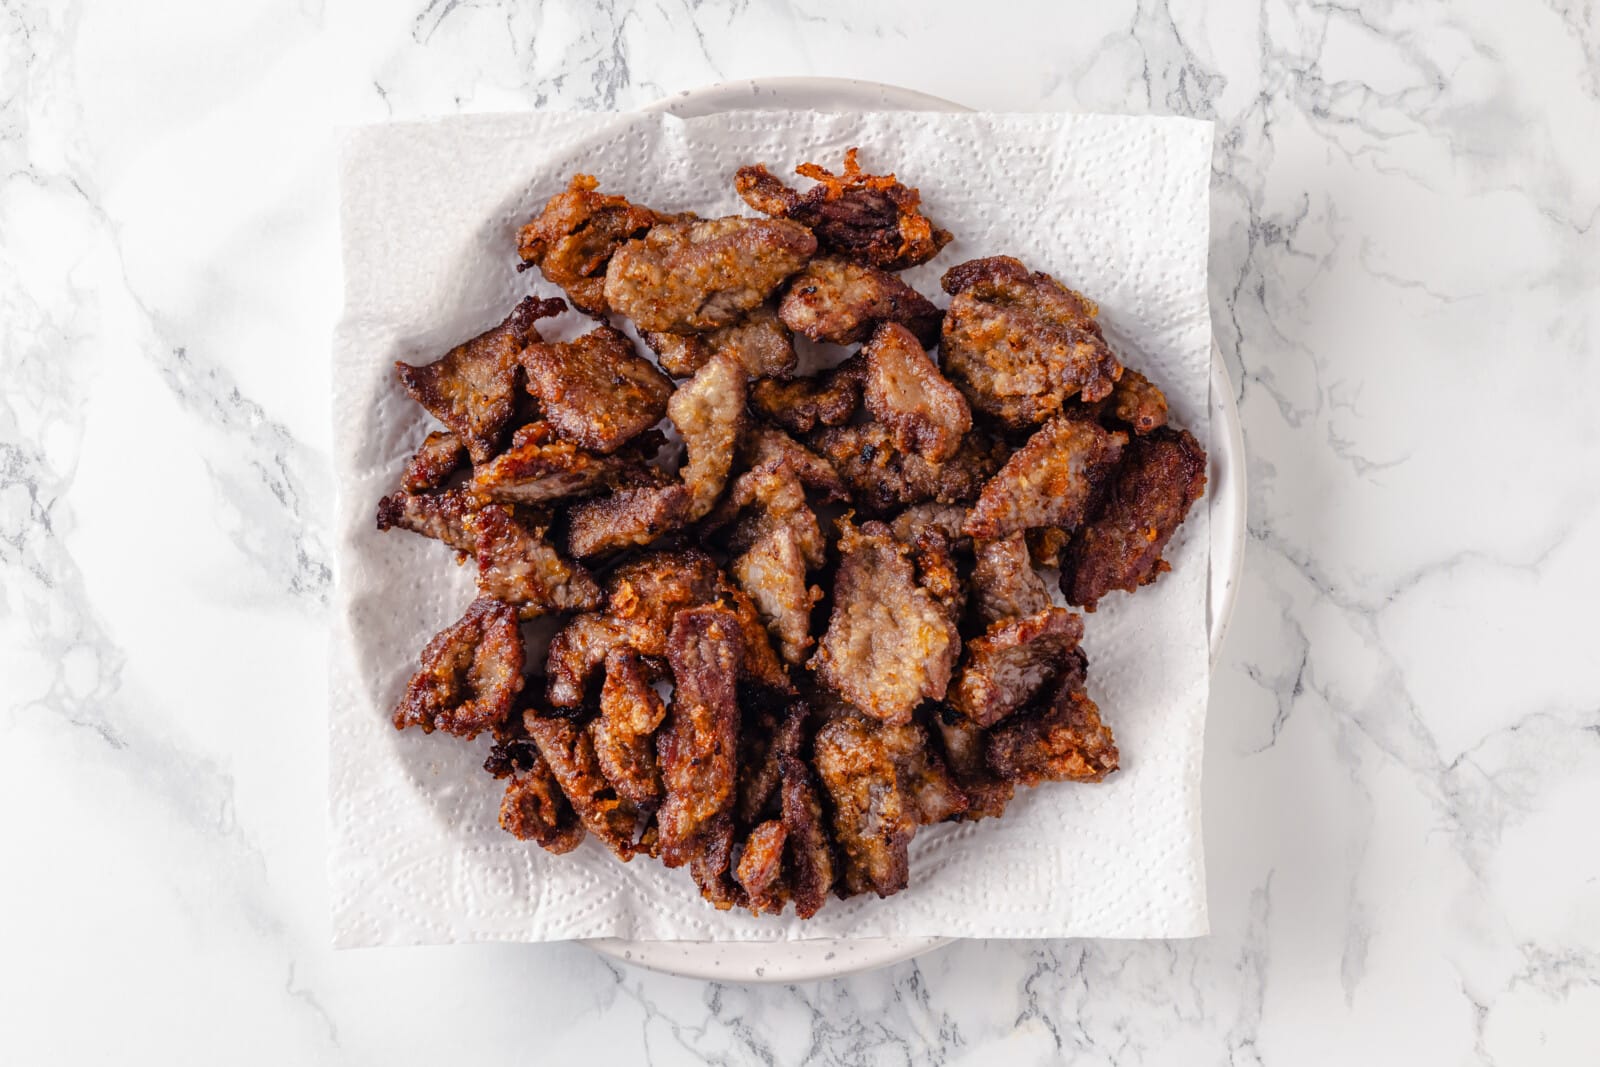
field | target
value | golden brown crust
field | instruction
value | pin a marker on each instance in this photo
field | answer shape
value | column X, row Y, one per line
column 1020, row 344
column 575, row 236
column 441, row 516
column 905, row 391
column 631, row 517
column 699, row 274
column 472, row 388
column 1136, row 403
column 868, row 218
column 516, row 565
column 441, row 454
column 624, row 735
column 839, row 302
column 1003, row 582
column 760, row 870
column 1012, row 661
column 699, row 744
column 1063, row 742
column 539, row 468
column 568, row 748
column 1053, row 480
column 709, row 412
column 596, row 391
column 884, row 478
column 759, row 343
column 890, row 643
column 803, row 404
column 470, row 674
column 1162, row 475
column 535, row 809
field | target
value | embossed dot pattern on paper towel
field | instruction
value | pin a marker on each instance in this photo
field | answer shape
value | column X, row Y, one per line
column 1116, row 207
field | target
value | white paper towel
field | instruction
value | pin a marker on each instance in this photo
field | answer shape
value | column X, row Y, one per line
column 1116, row 207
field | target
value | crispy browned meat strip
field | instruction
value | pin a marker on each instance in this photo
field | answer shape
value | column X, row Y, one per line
column 946, row 518
column 596, row 391
column 810, row 852
column 1065, row 741
column 840, row 302
column 906, row 392
column 801, row 405
column 1150, row 495
column 963, row 742
column 1045, row 545
column 868, row 218
column 642, row 596
column 538, row 468
column 630, row 517
column 441, row 455
column 518, row 566
column 1004, row 583
column 711, row 864
column 883, row 782
column 1019, row 344
column 776, row 544
column 1135, row 402
column 569, row 750
column 441, row 516
column 471, row 673
column 574, row 237
column 759, row 343
column 709, row 412
column 760, row 869
column 884, row 479
column 699, row 744
column 890, row 644
column 764, row 444
column 1052, row 480
column 535, row 808
column 1013, row 660
column 699, row 274
column 624, row 734
column 472, row 388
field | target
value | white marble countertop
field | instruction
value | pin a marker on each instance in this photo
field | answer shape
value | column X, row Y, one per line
column 1403, row 761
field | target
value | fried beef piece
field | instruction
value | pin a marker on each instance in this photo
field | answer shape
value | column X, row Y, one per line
column 1013, row 660
column 699, row 744
column 840, row 302
column 470, row 674
column 760, row 344
column 596, row 391
column 964, row 742
column 535, row 809
column 1162, row 474
column 1135, row 402
column 867, row 218
column 883, row 478
column 776, row 544
column 624, row 734
column 946, row 518
column 630, row 517
column 569, row 750
column 811, row 865
column 890, row 644
column 642, row 596
column 906, row 392
column 441, row 455
column 1045, row 545
column 765, row 734
column 518, row 566
column 1064, row 741
column 699, row 274
column 1004, row 583
column 539, row 468
column 801, row 405
column 760, row 870
column 575, row 236
column 709, row 412
column 765, row 445
column 1019, row 344
column 441, row 516
column 711, row 864
column 884, row 783
column 1050, row 481
column 472, row 388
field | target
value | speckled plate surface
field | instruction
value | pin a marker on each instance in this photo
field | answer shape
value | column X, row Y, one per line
column 812, row 960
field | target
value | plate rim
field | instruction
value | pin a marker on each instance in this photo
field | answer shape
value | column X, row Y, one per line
column 827, row 958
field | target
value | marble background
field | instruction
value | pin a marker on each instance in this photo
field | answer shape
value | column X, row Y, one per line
column 1403, row 760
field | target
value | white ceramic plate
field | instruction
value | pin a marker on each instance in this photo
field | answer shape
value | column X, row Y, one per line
column 804, row 961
